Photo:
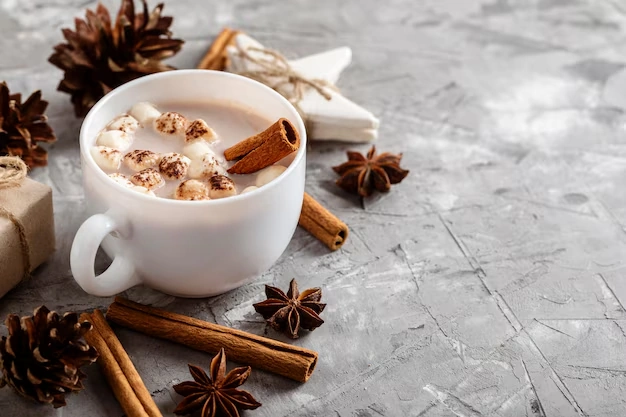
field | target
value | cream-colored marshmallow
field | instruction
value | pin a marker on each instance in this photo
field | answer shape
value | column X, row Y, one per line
column 197, row 149
column 192, row 190
column 145, row 113
column 125, row 123
column 121, row 179
column 142, row 190
column 171, row 124
column 205, row 168
column 106, row 158
column 115, row 139
column 250, row 188
column 199, row 129
column 138, row 160
column 268, row 174
column 148, row 178
column 174, row 166
column 221, row 186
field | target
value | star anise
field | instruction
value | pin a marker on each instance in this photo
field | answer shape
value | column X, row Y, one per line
column 362, row 175
column 216, row 395
column 288, row 313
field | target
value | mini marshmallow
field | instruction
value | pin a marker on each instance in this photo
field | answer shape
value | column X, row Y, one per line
column 197, row 150
column 145, row 113
column 106, row 158
column 250, row 188
column 171, row 124
column 148, row 178
column 115, row 139
column 121, row 179
column 125, row 123
column 221, row 186
column 138, row 160
column 198, row 129
column 174, row 166
column 192, row 190
column 142, row 190
column 268, row 174
column 205, row 167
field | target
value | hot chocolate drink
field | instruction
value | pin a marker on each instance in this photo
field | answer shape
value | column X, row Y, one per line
column 176, row 150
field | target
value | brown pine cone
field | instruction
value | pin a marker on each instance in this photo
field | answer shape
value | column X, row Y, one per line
column 23, row 126
column 42, row 356
column 100, row 56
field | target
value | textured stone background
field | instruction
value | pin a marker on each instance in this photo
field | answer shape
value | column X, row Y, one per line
column 489, row 283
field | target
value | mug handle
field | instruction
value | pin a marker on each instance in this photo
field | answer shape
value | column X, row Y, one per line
column 118, row 277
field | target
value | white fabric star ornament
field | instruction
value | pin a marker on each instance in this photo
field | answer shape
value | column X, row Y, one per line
column 328, row 114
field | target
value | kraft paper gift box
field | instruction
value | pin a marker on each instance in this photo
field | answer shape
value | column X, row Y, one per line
column 29, row 205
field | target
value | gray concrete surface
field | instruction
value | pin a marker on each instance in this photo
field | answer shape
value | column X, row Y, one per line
column 489, row 283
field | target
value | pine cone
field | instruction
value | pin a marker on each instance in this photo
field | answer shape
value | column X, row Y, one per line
column 42, row 356
column 22, row 125
column 99, row 56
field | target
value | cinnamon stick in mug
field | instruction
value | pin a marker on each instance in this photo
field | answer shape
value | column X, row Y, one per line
column 248, row 349
column 264, row 149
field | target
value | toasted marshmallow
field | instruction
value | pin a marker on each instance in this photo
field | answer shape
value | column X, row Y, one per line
column 205, row 168
column 148, row 178
column 250, row 188
column 108, row 159
column 198, row 129
column 125, row 123
column 142, row 190
column 115, row 139
column 192, row 190
column 268, row 174
column 174, row 166
column 221, row 186
column 145, row 113
column 171, row 124
column 139, row 160
column 121, row 179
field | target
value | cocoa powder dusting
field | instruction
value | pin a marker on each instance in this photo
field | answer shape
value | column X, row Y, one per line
column 174, row 166
column 141, row 155
column 147, row 176
column 221, row 182
column 162, row 126
column 170, row 122
column 141, row 158
column 196, row 129
column 109, row 151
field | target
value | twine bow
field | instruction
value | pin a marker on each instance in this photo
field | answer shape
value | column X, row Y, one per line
column 275, row 72
column 12, row 171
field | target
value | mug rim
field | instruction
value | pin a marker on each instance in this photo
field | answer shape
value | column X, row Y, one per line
column 86, row 155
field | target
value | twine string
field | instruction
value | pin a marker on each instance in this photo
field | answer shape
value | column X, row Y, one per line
column 12, row 171
column 275, row 72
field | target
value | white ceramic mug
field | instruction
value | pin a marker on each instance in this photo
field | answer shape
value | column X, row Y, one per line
column 185, row 248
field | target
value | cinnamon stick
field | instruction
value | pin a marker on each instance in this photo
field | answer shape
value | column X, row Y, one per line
column 216, row 57
column 123, row 360
column 113, row 373
column 259, row 352
column 322, row 224
column 264, row 149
